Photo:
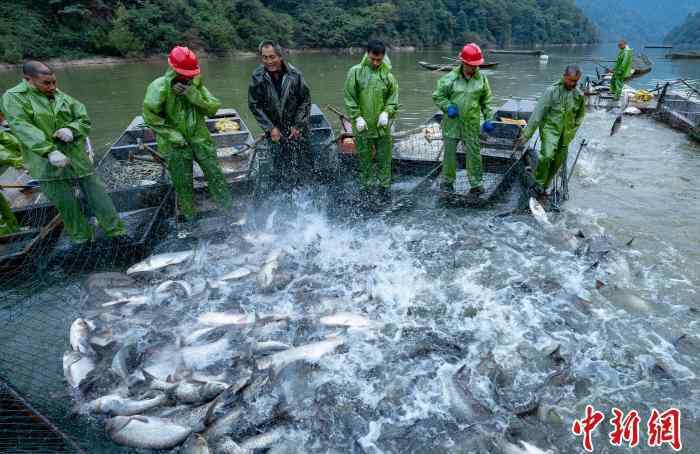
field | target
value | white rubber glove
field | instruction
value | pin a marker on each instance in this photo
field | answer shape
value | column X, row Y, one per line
column 58, row 159
column 360, row 124
column 383, row 119
column 64, row 135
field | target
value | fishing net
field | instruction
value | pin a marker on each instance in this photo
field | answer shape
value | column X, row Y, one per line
column 679, row 105
column 43, row 287
column 49, row 282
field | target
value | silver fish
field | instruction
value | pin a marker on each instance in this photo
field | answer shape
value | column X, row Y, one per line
column 187, row 416
column 309, row 352
column 132, row 301
column 264, row 440
column 224, row 424
column 226, row 445
column 267, row 347
column 116, row 405
column 160, row 261
column 617, row 124
column 126, row 361
column 76, row 367
column 350, row 320
column 266, row 275
column 171, row 286
column 195, row 444
column 193, row 392
column 80, row 336
column 226, row 318
column 146, row 432
column 240, row 273
column 539, row 213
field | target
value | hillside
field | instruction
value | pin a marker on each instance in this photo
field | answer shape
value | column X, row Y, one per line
column 639, row 21
column 77, row 28
column 686, row 33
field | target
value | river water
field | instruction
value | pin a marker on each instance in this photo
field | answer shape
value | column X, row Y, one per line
column 457, row 287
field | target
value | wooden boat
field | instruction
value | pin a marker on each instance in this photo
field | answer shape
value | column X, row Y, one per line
column 516, row 52
column 684, row 55
column 449, row 66
column 417, row 153
column 41, row 240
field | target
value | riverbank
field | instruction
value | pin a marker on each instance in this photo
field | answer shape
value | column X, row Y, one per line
column 106, row 61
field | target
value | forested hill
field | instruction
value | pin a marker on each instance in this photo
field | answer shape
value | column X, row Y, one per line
column 78, row 28
column 639, row 21
column 686, row 33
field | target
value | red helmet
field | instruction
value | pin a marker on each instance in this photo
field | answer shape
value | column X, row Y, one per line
column 184, row 61
column 471, row 55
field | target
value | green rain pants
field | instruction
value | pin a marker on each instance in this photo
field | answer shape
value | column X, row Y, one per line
column 377, row 168
column 62, row 194
column 474, row 165
column 180, row 162
column 8, row 222
column 616, row 85
column 552, row 156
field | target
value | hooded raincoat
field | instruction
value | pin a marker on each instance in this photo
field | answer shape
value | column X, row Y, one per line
column 183, row 137
column 368, row 92
column 473, row 99
column 558, row 115
column 622, row 71
column 34, row 118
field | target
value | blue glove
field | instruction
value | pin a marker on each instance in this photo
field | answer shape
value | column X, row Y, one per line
column 488, row 127
column 452, row 111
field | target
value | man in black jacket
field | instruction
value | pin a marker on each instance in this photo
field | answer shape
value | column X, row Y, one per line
column 280, row 100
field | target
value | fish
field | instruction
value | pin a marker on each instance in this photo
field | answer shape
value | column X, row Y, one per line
column 225, row 424
column 267, row 347
column 126, row 362
column 226, row 445
column 264, row 440
column 350, row 320
column 266, row 275
column 171, row 286
column 195, row 444
column 76, row 367
column 539, row 213
column 146, row 432
column 133, row 301
column 80, row 336
column 115, row 405
column 309, row 352
column 632, row 111
column 203, row 336
column 194, row 392
column 459, row 396
column 617, row 124
column 226, row 318
column 160, row 261
column 240, row 273
column 188, row 416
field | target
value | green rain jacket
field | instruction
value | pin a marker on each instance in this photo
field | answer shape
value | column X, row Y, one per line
column 369, row 92
column 10, row 152
column 472, row 97
column 558, row 114
column 34, row 118
column 623, row 65
column 179, row 121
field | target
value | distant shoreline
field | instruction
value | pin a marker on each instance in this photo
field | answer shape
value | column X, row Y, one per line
column 59, row 63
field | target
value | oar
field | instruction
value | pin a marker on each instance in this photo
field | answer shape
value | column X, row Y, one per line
column 30, row 185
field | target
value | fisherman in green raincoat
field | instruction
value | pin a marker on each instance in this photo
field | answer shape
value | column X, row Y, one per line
column 175, row 107
column 463, row 95
column 52, row 128
column 372, row 100
column 558, row 115
column 10, row 156
column 622, row 70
